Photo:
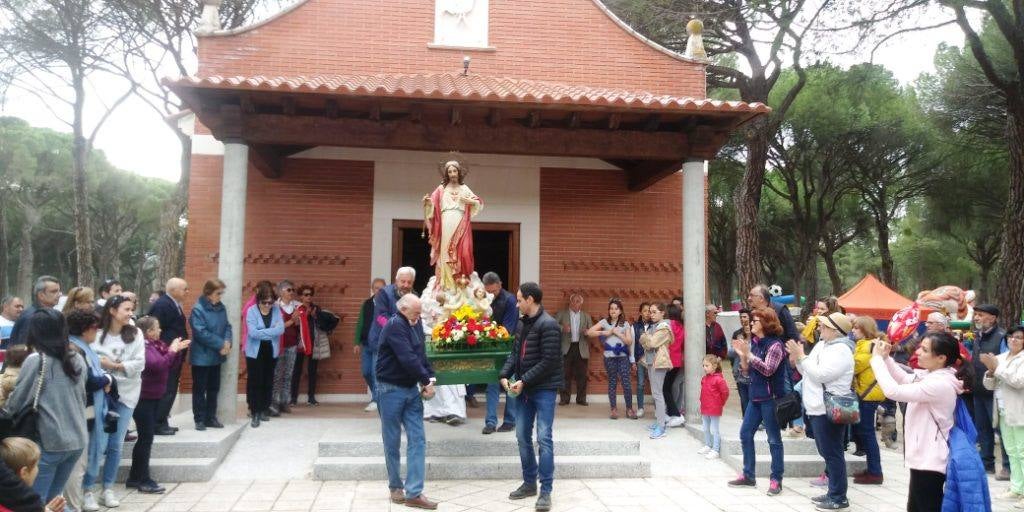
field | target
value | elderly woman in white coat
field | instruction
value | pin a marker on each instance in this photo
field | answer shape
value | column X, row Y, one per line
column 1005, row 375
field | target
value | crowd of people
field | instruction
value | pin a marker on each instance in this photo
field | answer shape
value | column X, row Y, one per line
column 92, row 368
column 81, row 369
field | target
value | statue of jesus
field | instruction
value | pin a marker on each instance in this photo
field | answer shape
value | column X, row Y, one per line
column 447, row 212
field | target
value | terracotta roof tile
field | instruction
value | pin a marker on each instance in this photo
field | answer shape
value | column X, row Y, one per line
column 474, row 87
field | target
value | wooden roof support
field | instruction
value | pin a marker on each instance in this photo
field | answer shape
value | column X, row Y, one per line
column 288, row 105
column 375, row 112
column 416, row 113
column 574, row 121
column 493, row 117
column 642, row 174
column 269, row 159
column 652, row 123
column 331, row 109
column 613, row 121
column 312, row 131
column 533, row 119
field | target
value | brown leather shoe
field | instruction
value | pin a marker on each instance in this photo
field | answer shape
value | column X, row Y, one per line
column 397, row 496
column 421, row 501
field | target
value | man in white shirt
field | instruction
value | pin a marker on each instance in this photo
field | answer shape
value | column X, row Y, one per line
column 575, row 349
column 11, row 308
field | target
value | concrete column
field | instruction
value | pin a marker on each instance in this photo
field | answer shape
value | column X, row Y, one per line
column 694, row 275
column 232, row 253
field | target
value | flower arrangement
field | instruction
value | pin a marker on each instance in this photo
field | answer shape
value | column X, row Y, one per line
column 468, row 329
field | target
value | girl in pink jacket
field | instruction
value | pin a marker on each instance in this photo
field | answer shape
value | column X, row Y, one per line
column 931, row 393
column 713, row 394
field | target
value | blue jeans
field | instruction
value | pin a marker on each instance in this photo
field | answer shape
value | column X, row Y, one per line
column 54, row 471
column 641, row 377
column 712, row 434
column 868, row 437
column 536, row 406
column 493, row 394
column 756, row 413
column 399, row 406
column 108, row 448
column 744, row 391
column 828, row 437
column 366, row 367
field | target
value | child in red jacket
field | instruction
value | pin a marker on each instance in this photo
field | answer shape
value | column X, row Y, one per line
column 713, row 394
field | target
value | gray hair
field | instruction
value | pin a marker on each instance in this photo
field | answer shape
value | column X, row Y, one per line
column 40, row 285
column 936, row 316
column 763, row 290
column 284, row 283
column 711, row 307
column 406, row 270
column 491, row 278
column 406, row 301
column 6, row 300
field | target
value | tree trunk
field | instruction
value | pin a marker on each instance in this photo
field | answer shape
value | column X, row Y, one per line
column 171, row 246
column 829, row 255
column 83, row 232
column 888, row 275
column 26, row 255
column 1009, row 293
column 748, row 201
column 4, row 247
column 724, row 289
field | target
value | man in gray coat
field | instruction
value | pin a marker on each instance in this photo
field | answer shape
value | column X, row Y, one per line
column 575, row 349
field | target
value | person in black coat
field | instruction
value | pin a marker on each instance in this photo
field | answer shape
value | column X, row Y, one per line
column 535, row 367
column 169, row 311
column 15, row 495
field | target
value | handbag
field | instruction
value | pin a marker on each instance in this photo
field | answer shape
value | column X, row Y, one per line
column 788, row 407
column 25, row 423
column 841, row 409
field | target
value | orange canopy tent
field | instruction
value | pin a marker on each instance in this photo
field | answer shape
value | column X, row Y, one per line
column 873, row 298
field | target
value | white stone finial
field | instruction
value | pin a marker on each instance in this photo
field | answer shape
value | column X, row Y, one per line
column 209, row 22
column 695, row 43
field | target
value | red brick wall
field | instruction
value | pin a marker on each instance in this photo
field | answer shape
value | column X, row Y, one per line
column 566, row 41
column 312, row 226
column 601, row 240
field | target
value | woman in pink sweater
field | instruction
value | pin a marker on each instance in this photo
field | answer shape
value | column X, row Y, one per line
column 931, row 393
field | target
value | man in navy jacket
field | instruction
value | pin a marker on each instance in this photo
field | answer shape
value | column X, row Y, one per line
column 506, row 314
column 402, row 369
column 168, row 310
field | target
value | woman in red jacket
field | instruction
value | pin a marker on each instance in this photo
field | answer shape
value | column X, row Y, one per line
column 713, row 394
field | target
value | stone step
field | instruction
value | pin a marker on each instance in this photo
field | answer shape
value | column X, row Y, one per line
column 175, row 470
column 731, row 443
column 495, row 445
column 796, row 466
column 484, row 467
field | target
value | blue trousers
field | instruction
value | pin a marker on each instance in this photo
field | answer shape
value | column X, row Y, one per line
column 106, row 448
column 493, row 394
column 402, row 407
column 536, row 407
column 54, row 471
column 868, row 439
column 367, row 359
column 828, row 438
column 712, row 434
column 752, row 418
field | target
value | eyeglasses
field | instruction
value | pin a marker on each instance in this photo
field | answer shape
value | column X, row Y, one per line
column 289, row 290
column 1017, row 337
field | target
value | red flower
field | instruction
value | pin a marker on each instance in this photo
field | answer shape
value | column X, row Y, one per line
column 471, row 340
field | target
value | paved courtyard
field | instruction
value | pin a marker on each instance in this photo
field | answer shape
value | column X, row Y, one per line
column 270, row 469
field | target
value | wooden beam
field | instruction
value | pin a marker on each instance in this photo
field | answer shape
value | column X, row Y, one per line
column 493, row 117
column 477, row 138
column 652, row 123
column 573, row 121
column 641, row 175
column 331, row 109
column 613, row 121
column 533, row 120
column 288, row 105
column 269, row 159
column 455, row 118
column 375, row 112
column 247, row 105
column 416, row 113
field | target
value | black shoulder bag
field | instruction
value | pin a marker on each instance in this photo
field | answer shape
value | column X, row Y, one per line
column 25, row 422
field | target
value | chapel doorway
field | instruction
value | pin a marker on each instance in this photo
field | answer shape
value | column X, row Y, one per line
column 495, row 248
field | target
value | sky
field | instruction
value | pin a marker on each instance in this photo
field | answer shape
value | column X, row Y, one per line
column 135, row 137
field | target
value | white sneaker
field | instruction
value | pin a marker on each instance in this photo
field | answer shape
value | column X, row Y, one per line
column 89, row 503
column 712, row 455
column 704, row 449
column 1009, row 495
column 640, row 412
column 676, row 421
column 109, row 499
column 370, row 407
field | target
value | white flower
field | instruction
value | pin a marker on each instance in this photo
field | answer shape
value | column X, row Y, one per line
column 458, row 334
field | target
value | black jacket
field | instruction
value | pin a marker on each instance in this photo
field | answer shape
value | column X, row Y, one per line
column 402, row 354
column 536, row 357
column 172, row 320
column 15, row 495
column 985, row 342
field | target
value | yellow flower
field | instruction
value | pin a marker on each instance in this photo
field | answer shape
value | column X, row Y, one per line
column 466, row 311
column 502, row 332
column 436, row 333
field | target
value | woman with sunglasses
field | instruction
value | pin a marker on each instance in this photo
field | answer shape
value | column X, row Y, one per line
column 264, row 327
column 308, row 313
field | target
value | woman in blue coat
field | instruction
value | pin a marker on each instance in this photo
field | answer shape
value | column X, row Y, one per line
column 211, row 343
column 264, row 326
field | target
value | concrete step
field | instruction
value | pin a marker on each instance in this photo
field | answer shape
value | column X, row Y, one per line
column 484, row 467
column 796, row 466
column 189, row 455
column 495, row 445
column 731, row 443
